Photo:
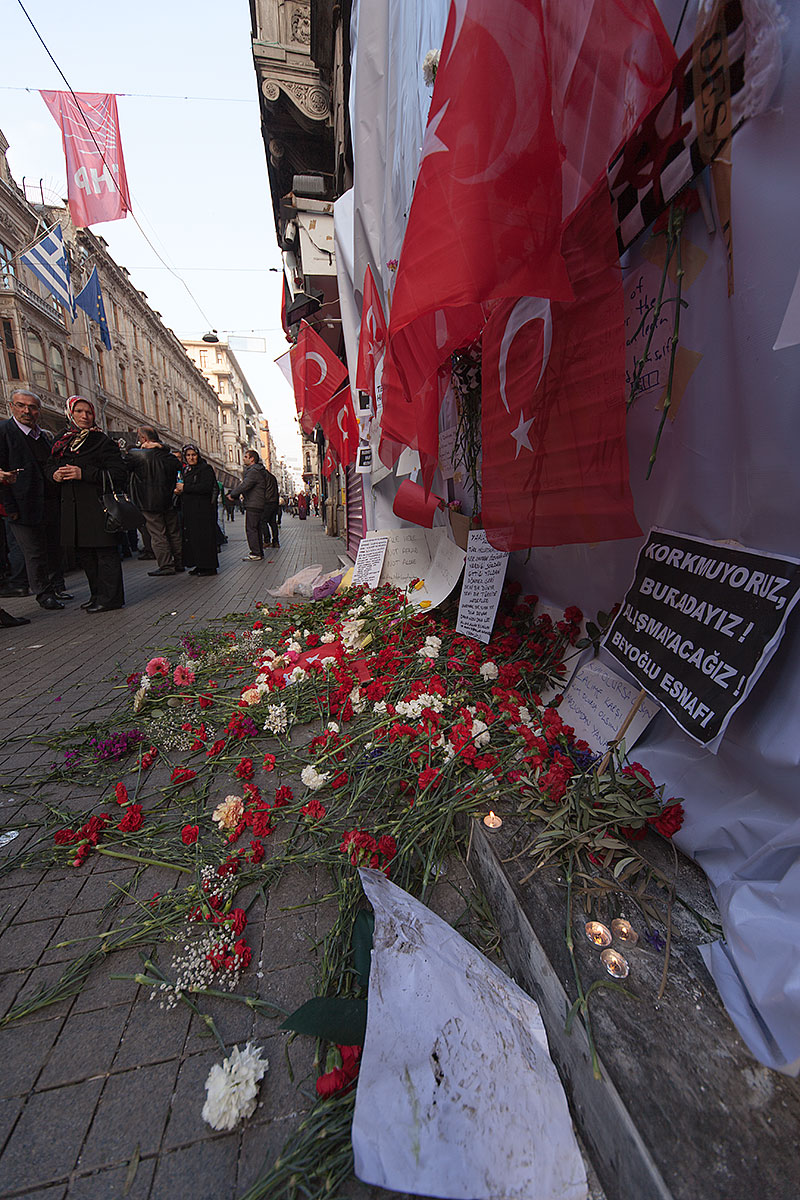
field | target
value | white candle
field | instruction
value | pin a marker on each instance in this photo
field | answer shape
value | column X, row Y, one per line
column 623, row 930
column 598, row 933
column 492, row 821
column 614, row 963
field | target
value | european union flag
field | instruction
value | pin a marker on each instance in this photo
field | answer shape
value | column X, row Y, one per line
column 91, row 301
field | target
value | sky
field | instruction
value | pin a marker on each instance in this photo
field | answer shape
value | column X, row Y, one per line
column 196, row 167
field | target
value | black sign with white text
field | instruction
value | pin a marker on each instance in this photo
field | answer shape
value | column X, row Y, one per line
column 699, row 624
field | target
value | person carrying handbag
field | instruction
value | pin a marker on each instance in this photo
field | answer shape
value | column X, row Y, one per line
column 82, row 461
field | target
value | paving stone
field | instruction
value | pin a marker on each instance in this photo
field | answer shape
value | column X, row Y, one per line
column 204, row 1171
column 132, row 1112
column 101, row 990
column 86, row 1047
column 288, row 987
column 234, row 1022
column 51, row 897
column 43, row 978
column 10, row 1108
column 291, row 1077
column 153, row 1034
column 47, row 1137
column 11, row 901
column 261, row 1145
column 24, row 1055
column 24, row 942
column 186, row 1125
column 80, row 931
column 10, row 985
column 98, row 889
column 110, row 1184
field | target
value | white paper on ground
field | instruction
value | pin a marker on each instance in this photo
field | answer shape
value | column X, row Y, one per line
column 369, row 561
column 597, row 702
column 483, row 583
column 457, row 1094
column 426, row 554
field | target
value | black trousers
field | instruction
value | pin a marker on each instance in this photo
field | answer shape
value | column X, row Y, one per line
column 103, row 569
column 252, row 527
column 270, row 525
column 41, row 548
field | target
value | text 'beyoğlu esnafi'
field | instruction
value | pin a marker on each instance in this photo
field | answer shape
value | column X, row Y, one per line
column 699, row 624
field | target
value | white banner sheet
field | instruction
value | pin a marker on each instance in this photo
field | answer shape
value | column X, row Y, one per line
column 457, row 1094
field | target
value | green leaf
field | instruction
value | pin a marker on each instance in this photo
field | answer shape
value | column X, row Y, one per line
column 603, row 618
column 363, row 930
column 592, row 630
column 337, row 1019
column 621, row 865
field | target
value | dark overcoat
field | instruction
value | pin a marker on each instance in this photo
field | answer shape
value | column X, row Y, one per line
column 82, row 513
column 31, row 498
column 199, row 508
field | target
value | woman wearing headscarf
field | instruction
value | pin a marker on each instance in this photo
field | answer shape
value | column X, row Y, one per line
column 198, row 493
column 80, row 460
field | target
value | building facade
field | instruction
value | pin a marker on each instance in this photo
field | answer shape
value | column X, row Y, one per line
column 145, row 378
column 239, row 412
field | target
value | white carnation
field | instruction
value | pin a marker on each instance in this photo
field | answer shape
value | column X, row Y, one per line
column 327, row 638
column 480, row 733
column 489, row 670
column 312, row 778
column 232, row 1087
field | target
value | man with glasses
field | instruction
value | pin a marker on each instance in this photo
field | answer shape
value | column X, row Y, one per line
column 31, row 503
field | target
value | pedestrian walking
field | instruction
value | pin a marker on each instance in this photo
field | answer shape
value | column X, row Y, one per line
column 252, row 491
column 302, row 506
column 81, row 461
column 272, row 509
column 198, row 498
column 31, row 503
column 154, row 473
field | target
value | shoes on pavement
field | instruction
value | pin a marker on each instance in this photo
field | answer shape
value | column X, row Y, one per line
column 12, row 591
column 163, row 571
column 148, row 556
column 49, row 602
column 89, row 603
column 206, row 571
column 179, row 570
column 93, row 608
column 276, row 545
column 193, row 570
column 9, row 622
column 63, row 595
column 254, row 558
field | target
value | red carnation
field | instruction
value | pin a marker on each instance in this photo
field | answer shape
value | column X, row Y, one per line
column 132, row 820
column 244, row 768
column 189, row 834
column 121, row 793
column 269, row 762
column 182, row 775
column 669, row 820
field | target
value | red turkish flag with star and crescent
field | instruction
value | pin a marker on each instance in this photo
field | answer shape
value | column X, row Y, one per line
column 97, row 187
column 316, row 373
column 555, row 455
column 340, row 426
column 372, row 336
column 532, row 99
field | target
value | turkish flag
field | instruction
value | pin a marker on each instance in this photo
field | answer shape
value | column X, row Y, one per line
column 532, row 99
column 316, row 373
column 340, row 426
column 97, row 187
column 555, row 456
column 329, row 463
column 372, row 338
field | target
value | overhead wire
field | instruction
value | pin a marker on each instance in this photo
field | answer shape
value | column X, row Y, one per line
column 160, row 257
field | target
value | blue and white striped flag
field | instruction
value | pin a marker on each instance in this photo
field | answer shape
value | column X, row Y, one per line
column 48, row 261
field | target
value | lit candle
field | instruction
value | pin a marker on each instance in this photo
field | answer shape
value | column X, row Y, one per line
column 598, row 933
column 492, row 821
column 614, row 963
column 623, row 930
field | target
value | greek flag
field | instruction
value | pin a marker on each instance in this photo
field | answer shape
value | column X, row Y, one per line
column 48, row 261
column 91, row 301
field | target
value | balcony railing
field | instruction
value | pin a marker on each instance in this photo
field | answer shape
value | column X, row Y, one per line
column 9, row 283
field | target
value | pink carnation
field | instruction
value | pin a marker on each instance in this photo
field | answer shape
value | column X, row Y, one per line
column 157, row 666
column 182, row 676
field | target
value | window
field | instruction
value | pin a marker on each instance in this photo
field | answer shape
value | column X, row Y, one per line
column 230, row 453
column 141, row 394
column 123, row 384
column 135, row 335
column 101, row 366
column 57, row 371
column 203, row 359
column 10, row 351
column 224, row 417
column 37, row 365
column 6, row 265
column 156, row 407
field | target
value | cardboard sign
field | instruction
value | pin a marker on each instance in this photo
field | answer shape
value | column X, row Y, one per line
column 699, row 624
column 483, row 582
column 597, row 702
column 369, row 561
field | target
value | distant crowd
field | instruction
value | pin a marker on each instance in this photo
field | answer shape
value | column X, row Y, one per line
column 88, row 498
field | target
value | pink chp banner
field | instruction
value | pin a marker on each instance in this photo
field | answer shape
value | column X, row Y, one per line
column 97, row 187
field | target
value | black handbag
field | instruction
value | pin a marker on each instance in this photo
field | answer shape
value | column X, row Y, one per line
column 121, row 513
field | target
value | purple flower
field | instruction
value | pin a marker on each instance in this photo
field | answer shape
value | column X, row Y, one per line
column 654, row 939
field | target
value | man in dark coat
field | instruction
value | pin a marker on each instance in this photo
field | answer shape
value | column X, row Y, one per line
column 271, row 517
column 253, row 490
column 154, row 473
column 31, row 504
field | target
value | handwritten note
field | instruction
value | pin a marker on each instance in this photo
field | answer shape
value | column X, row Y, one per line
column 596, row 703
column 641, row 291
column 447, row 449
column 483, row 582
column 369, row 561
column 426, row 554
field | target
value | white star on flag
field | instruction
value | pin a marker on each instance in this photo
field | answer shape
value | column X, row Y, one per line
column 520, row 435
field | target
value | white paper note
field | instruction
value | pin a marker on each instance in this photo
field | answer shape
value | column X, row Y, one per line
column 483, row 583
column 426, row 554
column 457, row 1093
column 369, row 561
column 447, row 449
column 596, row 703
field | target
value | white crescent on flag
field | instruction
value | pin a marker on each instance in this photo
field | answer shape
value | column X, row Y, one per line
column 340, row 417
column 323, row 366
column 529, row 308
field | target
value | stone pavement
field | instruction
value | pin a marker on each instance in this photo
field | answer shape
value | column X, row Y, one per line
column 100, row 1094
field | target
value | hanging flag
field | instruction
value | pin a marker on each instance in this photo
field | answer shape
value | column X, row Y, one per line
column 97, row 187
column 329, row 463
column 532, row 99
column 316, row 373
column 340, row 426
column 555, row 455
column 285, row 299
column 48, row 261
column 90, row 299
column 372, row 338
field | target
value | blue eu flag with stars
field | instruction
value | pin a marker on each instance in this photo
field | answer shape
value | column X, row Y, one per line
column 91, row 301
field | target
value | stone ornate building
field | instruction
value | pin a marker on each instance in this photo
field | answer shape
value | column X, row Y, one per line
column 146, row 376
column 239, row 412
